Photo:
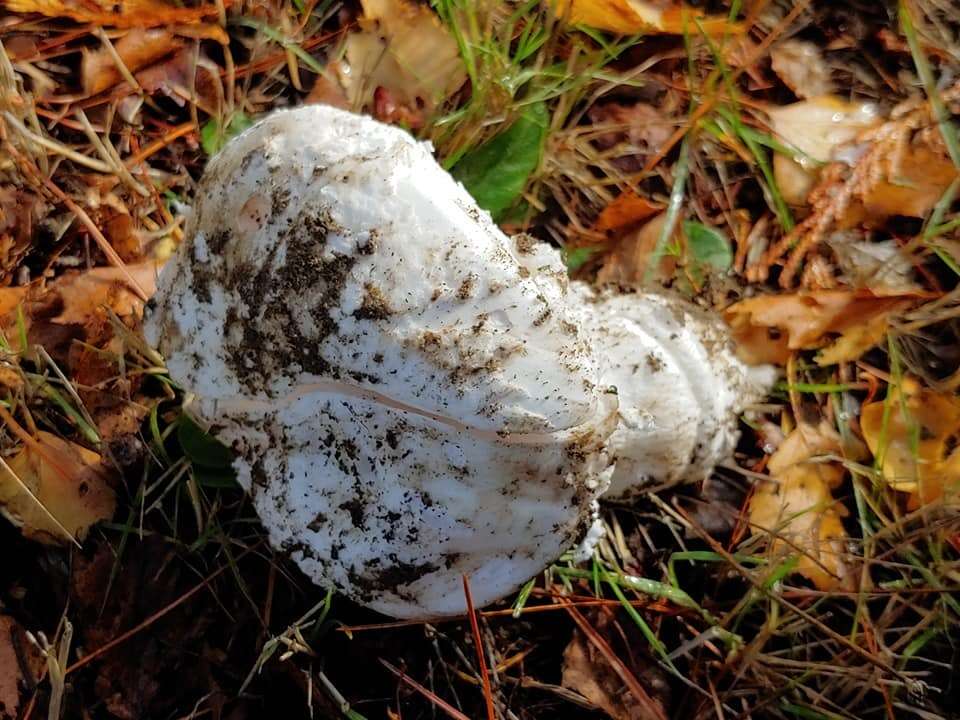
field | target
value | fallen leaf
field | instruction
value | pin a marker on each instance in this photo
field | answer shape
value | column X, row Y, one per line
column 20, row 210
column 627, row 210
column 801, row 67
column 816, row 128
column 707, row 247
column 642, row 126
column 327, row 92
column 913, row 186
column 633, row 16
column 586, row 672
column 115, row 13
column 899, row 167
column 136, row 49
column 53, row 487
column 766, row 329
column 403, row 47
column 20, row 663
column 627, row 262
column 879, row 265
column 496, row 172
column 916, row 434
column 214, row 134
column 796, row 507
column 175, row 76
column 78, row 298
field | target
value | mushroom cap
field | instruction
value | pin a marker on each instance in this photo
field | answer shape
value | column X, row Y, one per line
column 407, row 402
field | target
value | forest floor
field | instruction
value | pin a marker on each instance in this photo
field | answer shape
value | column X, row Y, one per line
column 793, row 165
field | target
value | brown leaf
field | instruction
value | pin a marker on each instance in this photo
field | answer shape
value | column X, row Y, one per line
column 115, row 13
column 405, row 49
column 766, row 329
column 77, row 298
column 916, row 431
column 175, row 76
column 55, row 486
column 19, row 211
column 634, row 16
column 640, row 124
column 137, row 49
column 20, row 663
column 801, row 67
column 796, row 506
column 588, row 673
column 627, row 263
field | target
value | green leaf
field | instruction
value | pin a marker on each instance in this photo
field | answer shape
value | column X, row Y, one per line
column 577, row 257
column 201, row 448
column 708, row 246
column 213, row 137
column 496, row 172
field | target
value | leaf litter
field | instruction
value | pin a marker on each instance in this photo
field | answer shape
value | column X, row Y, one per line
column 790, row 165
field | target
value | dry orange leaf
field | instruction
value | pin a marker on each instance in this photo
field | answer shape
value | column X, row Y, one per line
column 633, row 16
column 919, row 446
column 913, row 187
column 83, row 296
column 137, row 49
column 626, row 210
column 115, row 13
column 55, row 491
column 768, row 328
column 797, row 508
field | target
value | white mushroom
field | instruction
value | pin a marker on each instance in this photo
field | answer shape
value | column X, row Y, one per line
column 412, row 397
column 406, row 403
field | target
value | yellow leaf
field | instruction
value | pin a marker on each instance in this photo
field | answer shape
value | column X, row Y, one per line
column 920, row 178
column 797, row 509
column 53, row 487
column 114, row 13
column 919, row 446
column 766, row 329
column 855, row 341
column 632, row 16
column 816, row 128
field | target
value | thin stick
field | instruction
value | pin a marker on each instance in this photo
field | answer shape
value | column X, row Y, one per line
column 478, row 644
column 102, row 242
column 629, row 679
column 432, row 697
column 123, row 637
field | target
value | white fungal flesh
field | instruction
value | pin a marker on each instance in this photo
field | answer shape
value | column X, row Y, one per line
column 412, row 397
column 680, row 385
column 407, row 403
